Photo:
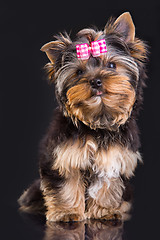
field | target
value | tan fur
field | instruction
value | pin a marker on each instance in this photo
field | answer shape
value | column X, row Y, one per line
column 78, row 93
column 68, row 204
column 105, row 193
column 115, row 161
column 83, row 178
column 111, row 162
column 109, row 203
column 93, row 107
column 73, row 155
column 120, row 91
column 139, row 51
column 117, row 100
column 110, row 195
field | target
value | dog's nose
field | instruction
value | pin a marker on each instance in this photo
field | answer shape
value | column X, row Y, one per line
column 96, row 83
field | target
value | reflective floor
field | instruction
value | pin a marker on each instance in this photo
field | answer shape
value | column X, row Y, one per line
column 96, row 230
column 87, row 230
column 17, row 225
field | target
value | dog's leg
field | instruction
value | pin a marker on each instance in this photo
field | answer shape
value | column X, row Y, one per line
column 67, row 202
column 106, row 200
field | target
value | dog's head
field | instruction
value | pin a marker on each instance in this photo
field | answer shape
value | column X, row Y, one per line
column 100, row 91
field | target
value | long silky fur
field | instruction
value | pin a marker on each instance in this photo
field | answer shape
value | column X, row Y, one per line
column 75, row 130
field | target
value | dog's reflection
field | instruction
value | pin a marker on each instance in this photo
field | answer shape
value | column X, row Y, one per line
column 90, row 230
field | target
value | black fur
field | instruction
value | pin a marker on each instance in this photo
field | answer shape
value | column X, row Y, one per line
column 63, row 128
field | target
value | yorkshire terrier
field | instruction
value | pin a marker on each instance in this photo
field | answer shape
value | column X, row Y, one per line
column 91, row 147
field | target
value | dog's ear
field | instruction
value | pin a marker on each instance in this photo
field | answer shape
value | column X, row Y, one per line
column 51, row 49
column 124, row 26
column 55, row 49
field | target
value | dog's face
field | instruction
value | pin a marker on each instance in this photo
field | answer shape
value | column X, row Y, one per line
column 99, row 91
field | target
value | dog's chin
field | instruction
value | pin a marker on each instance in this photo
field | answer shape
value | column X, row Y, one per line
column 101, row 122
column 94, row 113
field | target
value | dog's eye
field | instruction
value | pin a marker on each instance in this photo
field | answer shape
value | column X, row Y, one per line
column 79, row 72
column 111, row 65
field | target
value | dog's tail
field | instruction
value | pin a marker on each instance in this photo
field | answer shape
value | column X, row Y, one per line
column 31, row 200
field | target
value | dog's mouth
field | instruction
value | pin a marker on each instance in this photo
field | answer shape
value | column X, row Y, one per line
column 97, row 92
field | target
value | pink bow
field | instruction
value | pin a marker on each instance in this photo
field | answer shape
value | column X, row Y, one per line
column 97, row 48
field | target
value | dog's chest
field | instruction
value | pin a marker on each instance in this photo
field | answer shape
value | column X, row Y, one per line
column 113, row 161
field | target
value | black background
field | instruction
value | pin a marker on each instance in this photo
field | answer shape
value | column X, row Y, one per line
column 27, row 103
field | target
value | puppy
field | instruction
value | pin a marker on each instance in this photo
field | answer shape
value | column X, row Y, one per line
column 91, row 147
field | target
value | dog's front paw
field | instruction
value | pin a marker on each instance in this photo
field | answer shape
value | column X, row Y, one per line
column 112, row 216
column 103, row 214
column 65, row 217
column 72, row 218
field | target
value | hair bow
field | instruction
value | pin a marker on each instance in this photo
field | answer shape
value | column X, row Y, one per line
column 97, row 48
